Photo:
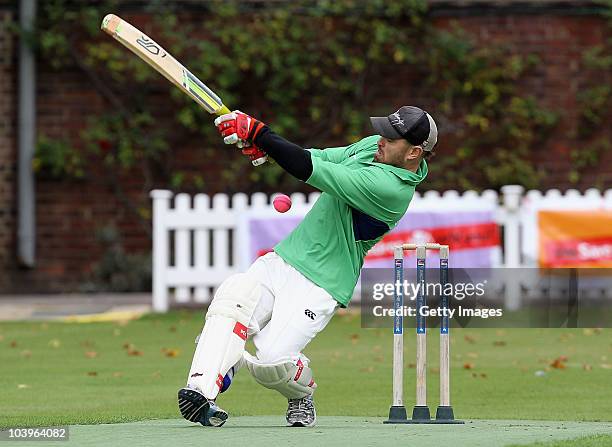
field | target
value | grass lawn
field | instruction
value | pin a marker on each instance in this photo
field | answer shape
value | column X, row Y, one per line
column 587, row 441
column 70, row 373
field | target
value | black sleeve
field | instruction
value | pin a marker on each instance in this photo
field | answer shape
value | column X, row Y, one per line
column 292, row 158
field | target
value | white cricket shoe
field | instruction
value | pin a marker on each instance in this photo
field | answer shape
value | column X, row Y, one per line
column 301, row 412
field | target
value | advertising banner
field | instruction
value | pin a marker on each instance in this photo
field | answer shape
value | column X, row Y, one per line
column 575, row 239
column 473, row 236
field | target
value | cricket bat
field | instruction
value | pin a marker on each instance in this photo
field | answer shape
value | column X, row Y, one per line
column 153, row 54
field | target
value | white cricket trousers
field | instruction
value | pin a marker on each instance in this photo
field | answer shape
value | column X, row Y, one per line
column 291, row 311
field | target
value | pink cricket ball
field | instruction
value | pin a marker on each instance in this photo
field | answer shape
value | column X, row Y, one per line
column 282, row 203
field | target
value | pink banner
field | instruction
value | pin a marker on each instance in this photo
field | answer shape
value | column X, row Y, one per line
column 473, row 237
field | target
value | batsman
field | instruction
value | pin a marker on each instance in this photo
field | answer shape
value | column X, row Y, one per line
column 289, row 295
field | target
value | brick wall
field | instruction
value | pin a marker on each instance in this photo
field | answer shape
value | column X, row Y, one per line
column 7, row 147
column 559, row 41
column 69, row 214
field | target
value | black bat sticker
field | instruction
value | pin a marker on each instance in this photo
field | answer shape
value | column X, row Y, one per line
column 150, row 46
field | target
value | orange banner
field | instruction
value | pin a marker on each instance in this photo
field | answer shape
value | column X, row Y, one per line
column 575, row 238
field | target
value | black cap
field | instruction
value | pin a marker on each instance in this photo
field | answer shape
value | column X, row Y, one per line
column 411, row 123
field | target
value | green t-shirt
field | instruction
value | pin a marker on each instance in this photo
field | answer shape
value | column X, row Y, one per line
column 361, row 201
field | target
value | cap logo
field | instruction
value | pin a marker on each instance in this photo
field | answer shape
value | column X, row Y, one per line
column 396, row 120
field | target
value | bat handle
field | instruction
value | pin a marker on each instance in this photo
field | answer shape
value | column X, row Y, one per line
column 223, row 110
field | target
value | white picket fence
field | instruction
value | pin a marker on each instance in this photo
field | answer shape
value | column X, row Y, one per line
column 196, row 242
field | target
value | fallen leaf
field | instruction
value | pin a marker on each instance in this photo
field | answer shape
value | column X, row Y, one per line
column 172, row 328
column 354, row 338
column 91, row 354
column 118, row 374
column 1, row 337
column 369, row 369
column 411, row 365
column 170, row 352
column 55, row 343
column 472, row 355
column 468, row 365
column 135, row 353
column 434, row 370
column 469, row 339
column 606, row 366
column 587, row 367
column 92, row 373
column 22, row 386
column 128, row 346
column 26, row 354
column 559, row 363
column 87, row 343
column 499, row 343
column 13, row 344
column 156, row 375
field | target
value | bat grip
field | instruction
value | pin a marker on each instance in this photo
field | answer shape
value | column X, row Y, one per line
column 223, row 110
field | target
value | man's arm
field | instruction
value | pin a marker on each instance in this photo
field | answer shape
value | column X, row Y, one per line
column 255, row 139
column 294, row 159
column 364, row 189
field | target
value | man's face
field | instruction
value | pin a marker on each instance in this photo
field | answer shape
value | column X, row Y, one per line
column 392, row 152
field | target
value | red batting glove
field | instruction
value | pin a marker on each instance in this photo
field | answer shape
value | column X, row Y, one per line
column 241, row 129
column 256, row 155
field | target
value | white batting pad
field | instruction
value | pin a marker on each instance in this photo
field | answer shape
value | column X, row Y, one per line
column 289, row 376
column 223, row 338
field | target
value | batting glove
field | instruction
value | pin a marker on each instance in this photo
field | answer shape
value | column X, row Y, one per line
column 241, row 129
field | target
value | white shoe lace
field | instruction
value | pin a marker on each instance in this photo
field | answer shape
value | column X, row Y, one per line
column 300, row 409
